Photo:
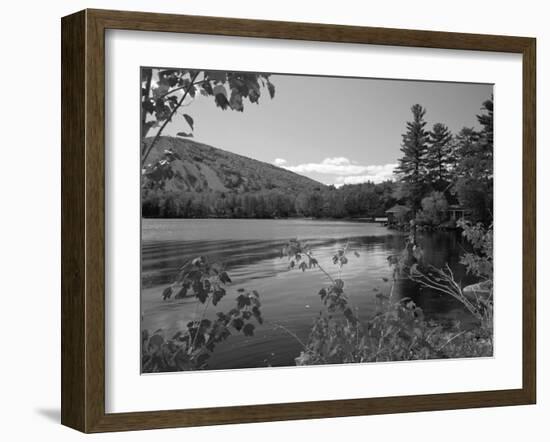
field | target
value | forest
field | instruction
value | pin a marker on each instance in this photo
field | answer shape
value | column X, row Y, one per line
column 437, row 169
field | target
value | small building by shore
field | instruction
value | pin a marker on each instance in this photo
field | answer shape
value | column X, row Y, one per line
column 398, row 214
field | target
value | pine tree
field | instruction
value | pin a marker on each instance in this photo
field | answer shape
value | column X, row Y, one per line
column 412, row 166
column 486, row 142
column 439, row 156
column 474, row 172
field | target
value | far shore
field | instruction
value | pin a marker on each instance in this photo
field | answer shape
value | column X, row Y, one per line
column 298, row 218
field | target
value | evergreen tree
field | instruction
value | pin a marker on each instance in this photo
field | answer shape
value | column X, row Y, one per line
column 412, row 166
column 474, row 183
column 439, row 156
column 485, row 167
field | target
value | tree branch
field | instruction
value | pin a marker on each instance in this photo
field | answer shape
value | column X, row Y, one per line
column 157, row 136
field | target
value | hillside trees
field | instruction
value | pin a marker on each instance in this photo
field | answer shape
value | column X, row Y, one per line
column 357, row 200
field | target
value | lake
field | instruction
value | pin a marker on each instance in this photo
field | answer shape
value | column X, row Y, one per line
column 251, row 251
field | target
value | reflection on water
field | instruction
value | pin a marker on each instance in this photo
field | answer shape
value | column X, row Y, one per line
column 251, row 251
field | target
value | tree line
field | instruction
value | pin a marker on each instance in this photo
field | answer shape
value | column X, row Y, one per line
column 367, row 199
column 437, row 169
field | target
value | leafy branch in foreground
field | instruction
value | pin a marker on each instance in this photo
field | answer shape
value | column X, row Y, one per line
column 476, row 298
column 397, row 331
column 164, row 92
column 190, row 349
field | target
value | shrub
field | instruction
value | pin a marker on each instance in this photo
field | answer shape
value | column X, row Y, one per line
column 434, row 209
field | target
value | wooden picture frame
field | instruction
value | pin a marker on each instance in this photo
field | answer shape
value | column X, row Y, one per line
column 83, row 220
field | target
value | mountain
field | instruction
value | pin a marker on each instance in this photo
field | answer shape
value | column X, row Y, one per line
column 203, row 168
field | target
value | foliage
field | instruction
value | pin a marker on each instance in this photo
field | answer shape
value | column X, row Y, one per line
column 478, row 298
column 474, row 171
column 190, row 349
column 398, row 330
column 165, row 91
column 434, row 208
column 358, row 200
column 461, row 166
column 480, row 262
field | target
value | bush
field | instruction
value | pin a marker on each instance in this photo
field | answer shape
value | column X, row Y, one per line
column 397, row 331
column 434, row 210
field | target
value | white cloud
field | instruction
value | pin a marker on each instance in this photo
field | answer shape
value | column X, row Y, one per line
column 347, row 171
column 279, row 162
column 337, row 161
column 376, row 174
column 330, row 166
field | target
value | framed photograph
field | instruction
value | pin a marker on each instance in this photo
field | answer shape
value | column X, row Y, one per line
column 269, row 220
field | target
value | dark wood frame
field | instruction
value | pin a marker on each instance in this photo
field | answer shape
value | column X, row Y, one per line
column 83, row 216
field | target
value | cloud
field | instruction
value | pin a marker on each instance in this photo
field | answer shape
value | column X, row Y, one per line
column 347, row 171
column 337, row 161
column 279, row 162
column 330, row 166
column 376, row 174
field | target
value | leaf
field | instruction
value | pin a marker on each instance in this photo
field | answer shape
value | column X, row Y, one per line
column 207, row 88
column 167, row 293
column 348, row 313
column 271, row 89
column 339, row 284
column 243, row 301
column 218, row 294
column 181, row 293
column 224, row 277
column 236, row 101
column 257, row 314
column 219, row 76
column 248, row 329
column 313, row 262
column 356, row 253
column 189, row 120
column 221, row 101
column 184, row 134
column 237, row 323
column 220, row 90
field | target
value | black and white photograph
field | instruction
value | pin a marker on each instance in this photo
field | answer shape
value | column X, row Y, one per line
column 294, row 220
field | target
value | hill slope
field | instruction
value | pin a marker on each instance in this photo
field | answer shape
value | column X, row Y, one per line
column 203, row 168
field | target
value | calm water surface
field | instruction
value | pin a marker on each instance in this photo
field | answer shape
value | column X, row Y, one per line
column 251, row 251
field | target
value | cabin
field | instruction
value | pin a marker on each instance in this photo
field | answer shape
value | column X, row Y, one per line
column 398, row 214
column 456, row 212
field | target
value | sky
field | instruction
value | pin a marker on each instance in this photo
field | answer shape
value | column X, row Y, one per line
column 335, row 130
